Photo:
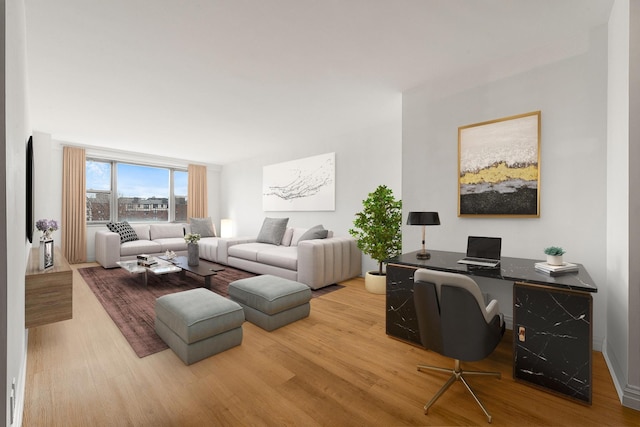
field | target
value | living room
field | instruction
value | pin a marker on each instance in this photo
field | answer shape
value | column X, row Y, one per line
column 585, row 200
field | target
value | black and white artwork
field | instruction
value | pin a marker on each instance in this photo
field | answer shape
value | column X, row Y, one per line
column 300, row 185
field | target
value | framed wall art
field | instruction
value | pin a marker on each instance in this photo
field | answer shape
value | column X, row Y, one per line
column 499, row 167
column 300, row 185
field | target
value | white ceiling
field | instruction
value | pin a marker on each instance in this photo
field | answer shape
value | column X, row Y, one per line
column 218, row 81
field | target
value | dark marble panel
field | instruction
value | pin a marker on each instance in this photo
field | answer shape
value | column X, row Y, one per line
column 553, row 340
column 401, row 312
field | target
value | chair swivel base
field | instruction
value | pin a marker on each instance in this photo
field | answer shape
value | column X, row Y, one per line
column 458, row 374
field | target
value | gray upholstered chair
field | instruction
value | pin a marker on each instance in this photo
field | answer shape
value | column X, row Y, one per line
column 455, row 322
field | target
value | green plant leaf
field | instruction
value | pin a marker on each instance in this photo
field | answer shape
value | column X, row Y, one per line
column 378, row 227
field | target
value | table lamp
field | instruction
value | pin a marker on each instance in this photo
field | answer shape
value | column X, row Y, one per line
column 423, row 219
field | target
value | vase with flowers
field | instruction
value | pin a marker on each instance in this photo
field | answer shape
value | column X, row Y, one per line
column 47, row 227
column 193, row 250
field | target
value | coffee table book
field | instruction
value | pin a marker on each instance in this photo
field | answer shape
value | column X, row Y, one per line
column 556, row 270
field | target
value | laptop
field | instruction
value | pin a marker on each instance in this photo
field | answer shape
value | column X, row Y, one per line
column 483, row 251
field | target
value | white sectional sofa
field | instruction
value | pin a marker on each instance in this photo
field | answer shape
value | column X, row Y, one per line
column 152, row 239
column 315, row 262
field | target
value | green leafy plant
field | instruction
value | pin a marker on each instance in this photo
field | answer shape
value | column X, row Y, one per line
column 191, row 238
column 378, row 227
column 554, row 251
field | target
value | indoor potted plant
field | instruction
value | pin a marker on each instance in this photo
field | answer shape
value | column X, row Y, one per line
column 378, row 231
column 554, row 255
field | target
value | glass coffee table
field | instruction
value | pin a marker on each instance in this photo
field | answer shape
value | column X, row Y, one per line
column 162, row 267
column 204, row 269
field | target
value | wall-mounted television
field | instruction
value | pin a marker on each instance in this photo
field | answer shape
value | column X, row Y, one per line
column 29, row 189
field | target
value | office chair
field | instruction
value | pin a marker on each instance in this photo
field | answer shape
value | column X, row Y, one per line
column 455, row 322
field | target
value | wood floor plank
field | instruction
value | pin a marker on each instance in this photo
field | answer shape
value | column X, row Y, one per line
column 336, row 367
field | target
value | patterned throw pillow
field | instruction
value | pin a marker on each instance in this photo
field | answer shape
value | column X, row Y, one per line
column 126, row 232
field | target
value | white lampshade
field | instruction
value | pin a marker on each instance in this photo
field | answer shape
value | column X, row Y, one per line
column 226, row 228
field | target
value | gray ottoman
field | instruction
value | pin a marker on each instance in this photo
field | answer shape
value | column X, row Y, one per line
column 198, row 323
column 271, row 302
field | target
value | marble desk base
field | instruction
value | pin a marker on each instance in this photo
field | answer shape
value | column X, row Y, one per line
column 552, row 342
column 552, row 332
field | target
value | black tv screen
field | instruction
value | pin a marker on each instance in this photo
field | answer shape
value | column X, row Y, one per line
column 29, row 189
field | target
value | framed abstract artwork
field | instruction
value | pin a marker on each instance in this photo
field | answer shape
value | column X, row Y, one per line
column 499, row 167
column 300, row 185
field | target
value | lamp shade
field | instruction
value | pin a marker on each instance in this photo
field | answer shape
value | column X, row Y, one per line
column 423, row 218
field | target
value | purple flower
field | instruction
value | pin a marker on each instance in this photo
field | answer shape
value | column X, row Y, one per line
column 46, row 225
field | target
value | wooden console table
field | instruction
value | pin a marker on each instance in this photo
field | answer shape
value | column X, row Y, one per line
column 48, row 293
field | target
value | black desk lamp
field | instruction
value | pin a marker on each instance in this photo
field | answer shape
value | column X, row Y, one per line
column 423, row 219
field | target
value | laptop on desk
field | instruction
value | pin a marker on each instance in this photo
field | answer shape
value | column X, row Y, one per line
column 482, row 251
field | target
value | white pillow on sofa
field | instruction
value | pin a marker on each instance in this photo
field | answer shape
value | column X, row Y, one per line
column 165, row 231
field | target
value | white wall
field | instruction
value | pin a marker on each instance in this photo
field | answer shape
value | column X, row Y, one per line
column 618, row 191
column 14, row 245
column 365, row 159
column 622, row 350
column 571, row 94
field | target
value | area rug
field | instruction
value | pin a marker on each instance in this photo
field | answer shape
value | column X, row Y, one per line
column 130, row 303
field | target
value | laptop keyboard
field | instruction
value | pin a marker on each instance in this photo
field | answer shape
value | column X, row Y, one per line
column 478, row 261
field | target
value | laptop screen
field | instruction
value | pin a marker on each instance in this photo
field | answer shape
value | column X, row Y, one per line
column 484, row 247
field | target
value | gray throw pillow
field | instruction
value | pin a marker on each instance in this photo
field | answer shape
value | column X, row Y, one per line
column 272, row 230
column 316, row 232
column 202, row 226
column 124, row 229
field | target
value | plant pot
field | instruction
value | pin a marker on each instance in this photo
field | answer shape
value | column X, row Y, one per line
column 193, row 252
column 554, row 260
column 375, row 283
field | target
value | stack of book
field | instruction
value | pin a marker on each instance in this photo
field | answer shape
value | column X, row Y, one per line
column 556, row 270
column 146, row 260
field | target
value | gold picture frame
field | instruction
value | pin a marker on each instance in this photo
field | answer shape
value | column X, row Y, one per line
column 499, row 167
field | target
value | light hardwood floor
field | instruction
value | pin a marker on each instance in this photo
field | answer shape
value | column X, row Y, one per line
column 335, row 368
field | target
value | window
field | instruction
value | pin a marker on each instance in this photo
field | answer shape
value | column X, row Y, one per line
column 118, row 191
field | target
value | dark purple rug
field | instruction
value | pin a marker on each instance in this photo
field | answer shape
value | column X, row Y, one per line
column 131, row 304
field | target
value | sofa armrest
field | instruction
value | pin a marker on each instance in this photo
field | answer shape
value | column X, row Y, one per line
column 107, row 248
column 322, row 262
column 226, row 242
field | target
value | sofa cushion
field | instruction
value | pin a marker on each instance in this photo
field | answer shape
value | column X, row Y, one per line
column 203, row 226
column 282, row 256
column 272, row 230
column 297, row 234
column 127, row 234
column 172, row 244
column 316, row 232
column 286, row 239
column 248, row 251
column 142, row 230
column 137, row 247
column 164, row 231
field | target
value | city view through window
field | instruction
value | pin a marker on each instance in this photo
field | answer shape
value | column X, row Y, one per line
column 138, row 193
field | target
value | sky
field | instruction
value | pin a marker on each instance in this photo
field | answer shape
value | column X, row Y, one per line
column 135, row 180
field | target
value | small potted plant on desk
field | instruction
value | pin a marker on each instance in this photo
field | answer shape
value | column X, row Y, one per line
column 554, row 255
column 378, row 231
